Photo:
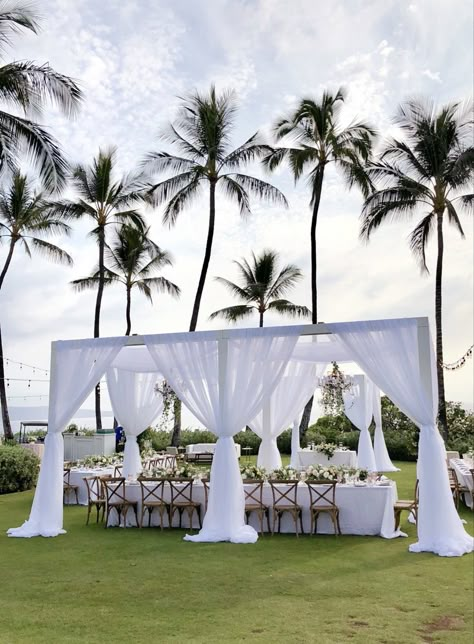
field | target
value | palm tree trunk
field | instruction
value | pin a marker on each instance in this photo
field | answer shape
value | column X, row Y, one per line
column 207, row 254
column 442, row 417
column 260, row 322
column 127, row 313
column 318, row 187
column 176, row 435
column 98, row 303
column 7, row 428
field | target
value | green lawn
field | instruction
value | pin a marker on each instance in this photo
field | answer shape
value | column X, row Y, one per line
column 95, row 585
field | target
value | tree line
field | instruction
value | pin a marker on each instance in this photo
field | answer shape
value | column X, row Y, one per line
column 426, row 171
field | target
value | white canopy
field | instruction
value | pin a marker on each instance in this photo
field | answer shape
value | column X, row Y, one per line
column 219, row 376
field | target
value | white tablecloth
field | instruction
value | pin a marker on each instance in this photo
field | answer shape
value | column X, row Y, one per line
column 366, row 510
column 340, row 457
column 464, row 476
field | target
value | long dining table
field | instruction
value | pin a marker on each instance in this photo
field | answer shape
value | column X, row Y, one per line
column 363, row 509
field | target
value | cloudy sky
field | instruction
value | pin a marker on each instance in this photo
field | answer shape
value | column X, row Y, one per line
column 133, row 58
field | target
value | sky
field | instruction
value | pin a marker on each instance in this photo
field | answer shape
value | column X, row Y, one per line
column 135, row 58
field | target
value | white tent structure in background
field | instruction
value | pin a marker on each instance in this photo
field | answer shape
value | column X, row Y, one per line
column 358, row 407
column 226, row 377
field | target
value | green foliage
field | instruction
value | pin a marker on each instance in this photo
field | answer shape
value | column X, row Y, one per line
column 248, row 439
column 18, row 469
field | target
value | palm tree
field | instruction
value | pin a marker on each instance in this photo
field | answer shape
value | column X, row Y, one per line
column 27, row 86
column 106, row 201
column 202, row 136
column 131, row 261
column 427, row 171
column 318, row 139
column 25, row 219
column 261, row 289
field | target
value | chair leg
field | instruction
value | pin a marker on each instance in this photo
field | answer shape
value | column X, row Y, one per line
column 260, row 516
column 135, row 511
column 199, row 516
column 77, row 497
column 267, row 512
column 279, row 521
column 150, row 510
column 338, row 524
column 397, row 518
column 107, row 517
column 301, row 521
column 316, row 516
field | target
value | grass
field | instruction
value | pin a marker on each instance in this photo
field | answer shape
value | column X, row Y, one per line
column 94, row 585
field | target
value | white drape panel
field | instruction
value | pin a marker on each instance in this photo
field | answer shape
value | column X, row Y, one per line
column 287, row 400
column 358, row 407
column 136, row 404
column 77, row 367
column 382, row 459
column 388, row 352
column 223, row 383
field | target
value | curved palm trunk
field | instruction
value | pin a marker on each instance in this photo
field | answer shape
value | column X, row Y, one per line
column 442, row 418
column 260, row 322
column 127, row 311
column 207, row 254
column 98, row 303
column 7, row 428
column 314, row 286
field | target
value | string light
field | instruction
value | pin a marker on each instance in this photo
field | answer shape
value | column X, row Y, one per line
column 461, row 362
column 24, row 364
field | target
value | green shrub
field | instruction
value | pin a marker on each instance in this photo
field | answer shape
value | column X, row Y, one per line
column 248, row 438
column 18, row 469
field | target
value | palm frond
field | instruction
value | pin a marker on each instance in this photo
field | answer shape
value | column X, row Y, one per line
column 285, row 281
column 235, row 289
column 419, row 239
column 161, row 285
column 41, row 147
column 259, row 188
column 234, row 192
column 13, row 19
column 233, row 313
column 180, row 200
column 169, row 188
column 288, row 308
column 249, row 151
column 157, row 162
column 453, row 217
column 51, row 251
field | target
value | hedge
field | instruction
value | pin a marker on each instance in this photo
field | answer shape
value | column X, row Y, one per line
column 18, row 469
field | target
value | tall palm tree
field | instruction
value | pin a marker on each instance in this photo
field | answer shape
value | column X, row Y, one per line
column 316, row 138
column 427, row 171
column 131, row 261
column 261, row 289
column 26, row 218
column 106, row 201
column 27, row 86
column 202, row 137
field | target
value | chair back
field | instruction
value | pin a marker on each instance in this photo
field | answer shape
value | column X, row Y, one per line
column 205, row 483
column 284, row 492
column 152, row 489
column 95, row 490
column 118, row 471
column 253, row 492
column 181, row 490
column 114, row 489
column 66, row 474
column 322, row 493
column 169, row 461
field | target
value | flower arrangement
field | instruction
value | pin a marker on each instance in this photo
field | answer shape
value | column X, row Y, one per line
column 326, row 448
column 99, row 460
column 284, row 473
column 253, row 472
column 183, row 471
column 322, row 473
column 332, row 387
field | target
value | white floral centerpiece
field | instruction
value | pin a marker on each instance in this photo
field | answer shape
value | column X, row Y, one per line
column 285, row 473
column 183, row 471
column 253, row 472
column 326, row 448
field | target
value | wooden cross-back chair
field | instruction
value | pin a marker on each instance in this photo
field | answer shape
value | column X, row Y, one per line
column 95, row 496
column 115, row 498
column 68, row 487
column 458, row 487
column 322, row 500
column 118, row 471
column 411, row 505
column 254, row 502
column 153, row 498
column 285, row 499
column 205, row 483
column 169, row 461
column 182, row 501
